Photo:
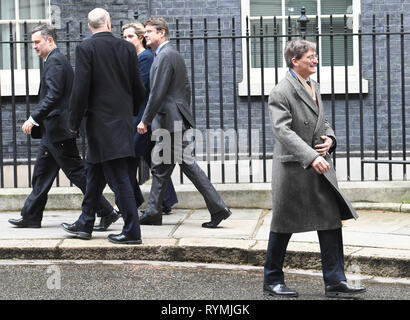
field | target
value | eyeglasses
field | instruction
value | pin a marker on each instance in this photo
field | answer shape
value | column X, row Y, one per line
column 313, row 57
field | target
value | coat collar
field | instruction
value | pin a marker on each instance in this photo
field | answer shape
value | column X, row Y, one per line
column 102, row 34
column 51, row 53
column 166, row 45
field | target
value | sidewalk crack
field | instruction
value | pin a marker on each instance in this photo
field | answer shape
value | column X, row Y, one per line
column 179, row 223
column 259, row 223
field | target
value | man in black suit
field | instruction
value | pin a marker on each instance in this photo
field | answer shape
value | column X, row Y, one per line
column 58, row 148
column 108, row 91
column 168, row 110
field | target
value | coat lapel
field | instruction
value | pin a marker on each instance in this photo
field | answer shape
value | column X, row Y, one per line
column 319, row 108
column 45, row 66
column 302, row 93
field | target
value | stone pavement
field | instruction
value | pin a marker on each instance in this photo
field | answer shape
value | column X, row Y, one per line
column 378, row 243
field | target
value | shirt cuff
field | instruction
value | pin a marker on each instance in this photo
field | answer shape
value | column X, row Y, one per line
column 33, row 121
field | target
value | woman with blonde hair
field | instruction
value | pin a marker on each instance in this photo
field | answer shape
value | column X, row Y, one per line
column 134, row 33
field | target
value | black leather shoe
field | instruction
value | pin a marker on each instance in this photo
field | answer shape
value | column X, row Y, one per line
column 122, row 239
column 24, row 223
column 166, row 211
column 74, row 229
column 106, row 221
column 217, row 218
column 154, row 220
column 279, row 290
column 342, row 289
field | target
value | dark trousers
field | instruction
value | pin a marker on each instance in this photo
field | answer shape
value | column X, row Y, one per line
column 52, row 157
column 331, row 249
column 161, row 173
column 143, row 147
column 120, row 174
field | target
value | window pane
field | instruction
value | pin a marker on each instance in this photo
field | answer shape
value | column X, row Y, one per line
column 336, row 7
column 7, row 11
column 265, row 8
column 268, row 45
column 338, row 44
column 33, row 9
column 32, row 58
column 5, row 62
column 293, row 7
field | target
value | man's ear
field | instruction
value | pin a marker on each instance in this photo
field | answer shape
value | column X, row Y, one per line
column 50, row 40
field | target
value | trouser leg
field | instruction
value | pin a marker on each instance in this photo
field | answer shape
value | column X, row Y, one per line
column 190, row 168
column 170, row 197
column 45, row 171
column 331, row 249
column 161, row 174
column 69, row 160
column 118, row 174
column 95, row 185
column 275, row 256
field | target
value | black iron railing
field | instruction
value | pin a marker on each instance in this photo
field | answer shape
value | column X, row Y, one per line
column 370, row 122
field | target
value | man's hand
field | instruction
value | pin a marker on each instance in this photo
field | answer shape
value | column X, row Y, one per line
column 142, row 128
column 320, row 165
column 26, row 127
column 73, row 131
column 324, row 147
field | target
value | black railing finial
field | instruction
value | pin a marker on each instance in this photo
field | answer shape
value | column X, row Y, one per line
column 303, row 21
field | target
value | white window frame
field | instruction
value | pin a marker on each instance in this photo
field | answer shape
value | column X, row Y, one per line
column 19, row 71
column 325, row 71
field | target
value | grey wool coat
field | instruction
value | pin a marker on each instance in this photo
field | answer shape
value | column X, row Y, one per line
column 303, row 200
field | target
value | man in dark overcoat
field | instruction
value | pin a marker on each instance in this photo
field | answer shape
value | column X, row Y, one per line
column 305, row 194
column 108, row 91
column 58, row 147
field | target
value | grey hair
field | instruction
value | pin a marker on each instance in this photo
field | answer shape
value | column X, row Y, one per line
column 98, row 17
column 296, row 49
column 46, row 31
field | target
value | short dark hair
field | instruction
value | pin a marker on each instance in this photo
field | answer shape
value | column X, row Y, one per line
column 46, row 31
column 159, row 24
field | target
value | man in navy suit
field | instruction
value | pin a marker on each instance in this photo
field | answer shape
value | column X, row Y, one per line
column 58, row 148
column 107, row 91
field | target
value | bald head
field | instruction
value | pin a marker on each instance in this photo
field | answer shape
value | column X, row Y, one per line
column 99, row 20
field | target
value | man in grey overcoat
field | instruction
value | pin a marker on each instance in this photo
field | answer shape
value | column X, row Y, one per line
column 305, row 194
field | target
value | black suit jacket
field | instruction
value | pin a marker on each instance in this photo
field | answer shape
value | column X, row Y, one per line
column 54, row 94
column 108, row 91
